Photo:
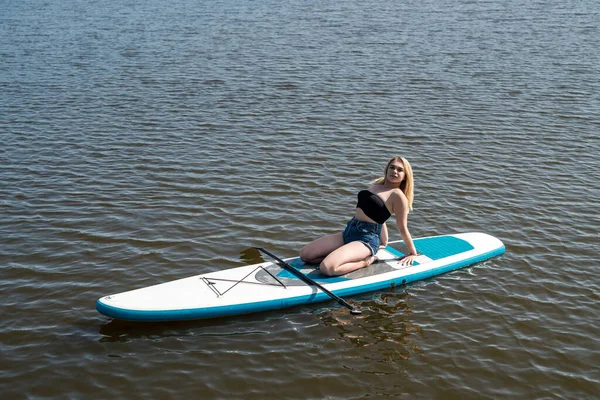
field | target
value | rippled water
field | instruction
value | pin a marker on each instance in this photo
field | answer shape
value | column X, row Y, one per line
column 148, row 141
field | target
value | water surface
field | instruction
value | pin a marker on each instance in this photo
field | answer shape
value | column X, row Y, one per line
column 148, row 141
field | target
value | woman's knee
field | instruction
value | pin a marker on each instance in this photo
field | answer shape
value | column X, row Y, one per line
column 327, row 268
column 305, row 254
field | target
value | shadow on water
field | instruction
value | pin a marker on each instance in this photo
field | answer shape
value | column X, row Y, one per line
column 124, row 331
column 251, row 256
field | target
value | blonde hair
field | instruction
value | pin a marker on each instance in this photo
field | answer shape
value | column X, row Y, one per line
column 407, row 184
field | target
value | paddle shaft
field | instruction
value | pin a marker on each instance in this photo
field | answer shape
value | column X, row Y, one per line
column 309, row 281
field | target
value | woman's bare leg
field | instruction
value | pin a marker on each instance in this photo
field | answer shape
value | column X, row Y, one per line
column 347, row 258
column 317, row 250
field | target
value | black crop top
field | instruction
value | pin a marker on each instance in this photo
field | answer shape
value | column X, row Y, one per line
column 373, row 206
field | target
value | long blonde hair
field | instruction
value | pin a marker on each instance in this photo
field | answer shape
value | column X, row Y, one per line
column 407, row 185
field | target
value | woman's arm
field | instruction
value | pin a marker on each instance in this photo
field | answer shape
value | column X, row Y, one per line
column 384, row 235
column 401, row 211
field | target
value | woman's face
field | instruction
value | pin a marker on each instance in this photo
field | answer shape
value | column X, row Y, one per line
column 395, row 172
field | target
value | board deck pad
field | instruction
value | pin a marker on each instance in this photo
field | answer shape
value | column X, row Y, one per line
column 267, row 286
column 434, row 248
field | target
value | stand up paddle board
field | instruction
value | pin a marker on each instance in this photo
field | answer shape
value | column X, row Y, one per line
column 271, row 285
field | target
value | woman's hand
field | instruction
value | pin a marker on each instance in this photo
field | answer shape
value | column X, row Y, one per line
column 407, row 261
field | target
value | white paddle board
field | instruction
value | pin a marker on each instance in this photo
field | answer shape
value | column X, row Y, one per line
column 266, row 286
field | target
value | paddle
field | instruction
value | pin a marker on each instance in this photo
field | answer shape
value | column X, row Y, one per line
column 307, row 280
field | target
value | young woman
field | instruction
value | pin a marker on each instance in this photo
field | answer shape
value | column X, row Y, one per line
column 357, row 245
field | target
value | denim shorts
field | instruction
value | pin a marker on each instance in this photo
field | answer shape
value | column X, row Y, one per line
column 368, row 233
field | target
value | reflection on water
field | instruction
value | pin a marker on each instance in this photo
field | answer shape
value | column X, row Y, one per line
column 384, row 328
